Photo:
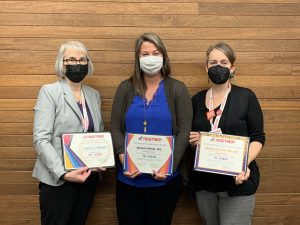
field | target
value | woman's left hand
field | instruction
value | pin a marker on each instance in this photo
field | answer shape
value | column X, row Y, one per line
column 242, row 177
column 158, row 176
column 194, row 138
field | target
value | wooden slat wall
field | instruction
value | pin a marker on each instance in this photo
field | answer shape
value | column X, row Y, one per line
column 264, row 33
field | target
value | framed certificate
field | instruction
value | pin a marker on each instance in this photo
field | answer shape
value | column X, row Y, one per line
column 146, row 153
column 222, row 153
column 87, row 149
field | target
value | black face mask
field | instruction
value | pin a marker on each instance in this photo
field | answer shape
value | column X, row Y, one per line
column 218, row 74
column 77, row 72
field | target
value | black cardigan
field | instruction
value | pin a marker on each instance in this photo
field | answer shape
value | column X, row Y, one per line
column 242, row 116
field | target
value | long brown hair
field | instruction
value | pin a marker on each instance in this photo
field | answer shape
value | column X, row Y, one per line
column 137, row 79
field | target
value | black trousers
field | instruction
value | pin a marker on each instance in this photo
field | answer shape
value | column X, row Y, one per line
column 68, row 204
column 147, row 206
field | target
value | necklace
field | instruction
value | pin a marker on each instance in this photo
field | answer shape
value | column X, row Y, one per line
column 77, row 93
column 145, row 122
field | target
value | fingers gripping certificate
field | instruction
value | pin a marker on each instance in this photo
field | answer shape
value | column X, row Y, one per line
column 87, row 149
column 146, row 153
column 221, row 153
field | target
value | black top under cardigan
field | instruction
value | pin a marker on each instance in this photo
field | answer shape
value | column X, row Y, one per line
column 242, row 116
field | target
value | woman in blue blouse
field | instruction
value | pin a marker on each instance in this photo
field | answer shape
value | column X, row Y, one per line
column 150, row 102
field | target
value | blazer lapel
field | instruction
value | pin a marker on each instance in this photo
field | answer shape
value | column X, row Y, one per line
column 70, row 98
column 92, row 103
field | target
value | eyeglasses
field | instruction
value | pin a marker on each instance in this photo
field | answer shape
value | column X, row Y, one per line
column 73, row 61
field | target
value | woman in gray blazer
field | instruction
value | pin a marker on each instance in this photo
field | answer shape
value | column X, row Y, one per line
column 63, row 107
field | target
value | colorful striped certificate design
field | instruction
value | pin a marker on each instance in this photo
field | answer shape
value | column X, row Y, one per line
column 221, row 153
column 92, row 150
column 146, row 153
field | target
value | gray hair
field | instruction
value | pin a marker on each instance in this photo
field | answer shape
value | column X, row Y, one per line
column 59, row 64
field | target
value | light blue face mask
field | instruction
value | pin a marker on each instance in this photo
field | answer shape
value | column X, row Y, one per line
column 151, row 65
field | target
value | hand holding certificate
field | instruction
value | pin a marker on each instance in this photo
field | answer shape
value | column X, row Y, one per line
column 91, row 150
column 148, row 153
column 221, row 153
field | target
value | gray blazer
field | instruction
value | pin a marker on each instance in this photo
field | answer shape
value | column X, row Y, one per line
column 57, row 112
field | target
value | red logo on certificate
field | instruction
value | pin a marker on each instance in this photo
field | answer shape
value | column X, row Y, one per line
column 210, row 114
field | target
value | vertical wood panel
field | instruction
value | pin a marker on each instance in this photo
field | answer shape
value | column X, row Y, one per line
column 264, row 33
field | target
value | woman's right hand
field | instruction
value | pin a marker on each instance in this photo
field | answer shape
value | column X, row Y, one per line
column 79, row 176
column 132, row 174
column 128, row 174
column 194, row 137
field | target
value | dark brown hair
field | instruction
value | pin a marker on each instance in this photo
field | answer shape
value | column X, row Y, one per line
column 137, row 79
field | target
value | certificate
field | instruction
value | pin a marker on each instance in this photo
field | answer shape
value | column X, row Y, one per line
column 221, row 153
column 146, row 153
column 87, row 149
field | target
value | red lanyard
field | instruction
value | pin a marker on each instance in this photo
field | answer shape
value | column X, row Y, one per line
column 214, row 125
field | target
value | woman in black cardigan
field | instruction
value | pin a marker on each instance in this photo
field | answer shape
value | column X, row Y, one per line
column 227, row 109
